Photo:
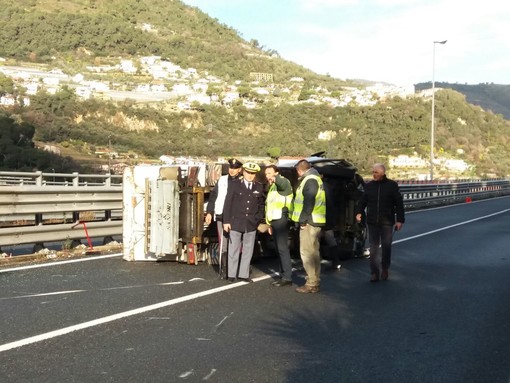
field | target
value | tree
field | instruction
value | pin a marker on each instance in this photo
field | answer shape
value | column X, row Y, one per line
column 6, row 85
column 274, row 152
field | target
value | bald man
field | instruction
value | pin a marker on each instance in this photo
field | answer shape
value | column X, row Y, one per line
column 384, row 207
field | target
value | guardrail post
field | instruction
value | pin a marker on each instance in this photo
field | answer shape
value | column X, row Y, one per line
column 108, row 180
column 76, row 179
column 39, row 178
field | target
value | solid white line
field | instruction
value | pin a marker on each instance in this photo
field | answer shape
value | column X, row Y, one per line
column 449, row 227
column 125, row 314
column 156, row 306
column 60, row 263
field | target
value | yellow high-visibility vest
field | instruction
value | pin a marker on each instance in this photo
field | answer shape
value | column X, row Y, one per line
column 275, row 203
column 319, row 209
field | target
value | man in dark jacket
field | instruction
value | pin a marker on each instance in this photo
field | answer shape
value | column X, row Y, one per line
column 383, row 201
column 215, row 210
column 242, row 213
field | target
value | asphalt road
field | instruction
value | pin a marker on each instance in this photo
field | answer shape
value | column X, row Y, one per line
column 444, row 315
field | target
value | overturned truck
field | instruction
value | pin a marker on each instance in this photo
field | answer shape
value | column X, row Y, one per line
column 163, row 210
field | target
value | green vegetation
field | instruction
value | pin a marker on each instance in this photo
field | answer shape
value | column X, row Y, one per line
column 73, row 34
column 19, row 153
column 491, row 97
column 364, row 134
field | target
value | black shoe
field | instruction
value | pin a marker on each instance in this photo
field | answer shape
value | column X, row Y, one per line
column 245, row 280
column 281, row 283
column 231, row 280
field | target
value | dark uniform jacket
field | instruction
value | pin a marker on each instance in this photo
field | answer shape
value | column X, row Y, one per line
column 213, row 195
column 383, row 201
column 244, row 208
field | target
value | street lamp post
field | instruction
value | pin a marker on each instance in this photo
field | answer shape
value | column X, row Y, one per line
column 433, row 108
column 109, row 154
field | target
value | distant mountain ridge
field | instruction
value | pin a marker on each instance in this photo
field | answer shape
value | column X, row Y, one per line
column 491, row 97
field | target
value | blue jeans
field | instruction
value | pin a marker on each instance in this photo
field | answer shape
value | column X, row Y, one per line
column 380, row 235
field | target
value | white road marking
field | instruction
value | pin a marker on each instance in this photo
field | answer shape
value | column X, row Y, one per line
column 208, row 376
column 186, row 374
column 221, row 322
column 451, row 226
column 125, row 314
column 44, row 294
column 103, row 289
column 59, row 263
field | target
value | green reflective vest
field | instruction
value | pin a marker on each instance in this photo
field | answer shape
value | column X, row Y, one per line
column 319, row 209
column 275, row 203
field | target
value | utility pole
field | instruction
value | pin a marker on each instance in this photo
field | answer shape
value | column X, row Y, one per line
column 109, row 154
column 432, row 139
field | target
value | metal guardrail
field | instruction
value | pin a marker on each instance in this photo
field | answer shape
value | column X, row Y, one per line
column 58, row 179
column 46, row 207
column 423, row 195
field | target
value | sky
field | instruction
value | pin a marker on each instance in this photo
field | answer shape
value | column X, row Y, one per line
column 379, row 40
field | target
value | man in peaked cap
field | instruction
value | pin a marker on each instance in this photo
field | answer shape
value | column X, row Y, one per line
column 234, row 163
column 242, row 213
column 215, row 209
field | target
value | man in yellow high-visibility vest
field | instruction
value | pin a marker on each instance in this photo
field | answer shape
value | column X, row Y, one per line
column 309, row 212
column 278, row 206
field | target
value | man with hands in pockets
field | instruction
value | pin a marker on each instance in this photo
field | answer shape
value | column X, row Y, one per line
column 384, row 212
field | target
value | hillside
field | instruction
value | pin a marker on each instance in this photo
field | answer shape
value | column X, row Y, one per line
column 289, row 119
column 491, row 97
column 72, row 34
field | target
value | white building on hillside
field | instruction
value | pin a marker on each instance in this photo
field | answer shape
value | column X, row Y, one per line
column 457, row 165
column 32, row 87
column 404, row 161
column 127, row 66
column 182, row 89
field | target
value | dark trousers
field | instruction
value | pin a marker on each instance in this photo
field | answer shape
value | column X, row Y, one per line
column 383, row 236
column 281, row 239
column 331, row 248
